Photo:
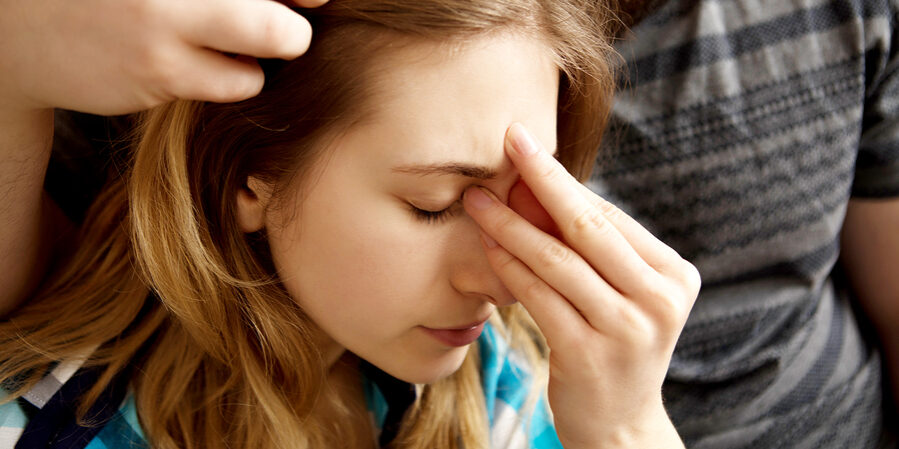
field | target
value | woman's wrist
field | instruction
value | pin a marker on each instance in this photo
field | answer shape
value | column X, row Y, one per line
column 656, row 431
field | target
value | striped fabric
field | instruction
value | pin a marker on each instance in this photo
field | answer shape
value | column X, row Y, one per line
column 506, row 383
column 743, row 130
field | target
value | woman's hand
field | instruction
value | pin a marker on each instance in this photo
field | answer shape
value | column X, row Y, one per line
column 609, row 297
column 121, row 56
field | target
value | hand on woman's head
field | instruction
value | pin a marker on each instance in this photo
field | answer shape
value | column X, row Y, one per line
column 121, row 56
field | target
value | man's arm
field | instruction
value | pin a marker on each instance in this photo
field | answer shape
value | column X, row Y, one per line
column 25, row 142
column 870, row 256
column 158, row 56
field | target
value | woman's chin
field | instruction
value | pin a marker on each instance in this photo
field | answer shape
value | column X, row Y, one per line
column 429, row 371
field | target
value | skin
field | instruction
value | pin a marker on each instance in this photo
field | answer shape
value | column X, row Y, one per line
column 112, row 57
column 870, row 254
column 609, row 297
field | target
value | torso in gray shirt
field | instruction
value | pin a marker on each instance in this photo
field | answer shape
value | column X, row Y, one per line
column 743, row 131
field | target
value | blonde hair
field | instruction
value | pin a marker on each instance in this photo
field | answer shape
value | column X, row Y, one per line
column 168, row 286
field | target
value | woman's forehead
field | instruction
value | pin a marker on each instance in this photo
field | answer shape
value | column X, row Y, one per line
column 441, row 102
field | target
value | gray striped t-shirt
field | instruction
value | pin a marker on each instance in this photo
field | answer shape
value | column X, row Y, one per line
column 743, row 130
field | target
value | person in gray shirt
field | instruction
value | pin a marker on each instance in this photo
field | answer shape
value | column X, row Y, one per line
column 760, row 139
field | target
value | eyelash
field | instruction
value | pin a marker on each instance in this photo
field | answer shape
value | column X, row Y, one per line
column 434, row 216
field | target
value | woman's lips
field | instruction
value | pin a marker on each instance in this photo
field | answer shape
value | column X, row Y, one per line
column 456, row 337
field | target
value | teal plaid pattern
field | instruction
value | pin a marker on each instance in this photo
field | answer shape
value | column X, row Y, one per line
column 506, row 380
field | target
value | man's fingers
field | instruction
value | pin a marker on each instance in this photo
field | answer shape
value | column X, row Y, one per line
column 258, row 28
column 211, row 76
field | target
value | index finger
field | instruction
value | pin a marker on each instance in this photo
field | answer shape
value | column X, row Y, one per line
column 584, row 227
column 653, row 250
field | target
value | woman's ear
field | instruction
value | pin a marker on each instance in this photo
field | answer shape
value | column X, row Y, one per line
column 252, row 201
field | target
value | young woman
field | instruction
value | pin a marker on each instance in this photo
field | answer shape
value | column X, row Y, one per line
column 321, row 265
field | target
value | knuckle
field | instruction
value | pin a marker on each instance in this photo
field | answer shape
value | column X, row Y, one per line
column 641, row 330
column 654, row 289
column 685, row 278
column 664, row 305
column 607, row 208
column 670, row 313
column 553, row 254
column 614, row 214
column 536, row 288
column 671, row 260
column 587, row 220
column 591, row 221
column 691, row 279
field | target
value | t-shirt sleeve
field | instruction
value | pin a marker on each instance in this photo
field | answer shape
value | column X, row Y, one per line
column 877, row 166
column 519, row 418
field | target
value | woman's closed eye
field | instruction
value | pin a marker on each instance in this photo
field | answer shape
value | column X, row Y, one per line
column 435, row 216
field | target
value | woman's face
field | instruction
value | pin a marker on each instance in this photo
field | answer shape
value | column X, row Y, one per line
column 404, row 289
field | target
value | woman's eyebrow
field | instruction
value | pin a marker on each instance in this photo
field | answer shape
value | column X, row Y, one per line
column 448, row 168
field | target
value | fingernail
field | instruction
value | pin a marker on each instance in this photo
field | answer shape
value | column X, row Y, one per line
column 522, row 140
column 488, row 241
column 478, row 199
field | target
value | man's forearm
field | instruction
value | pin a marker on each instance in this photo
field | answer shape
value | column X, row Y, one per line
column 25, row 143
